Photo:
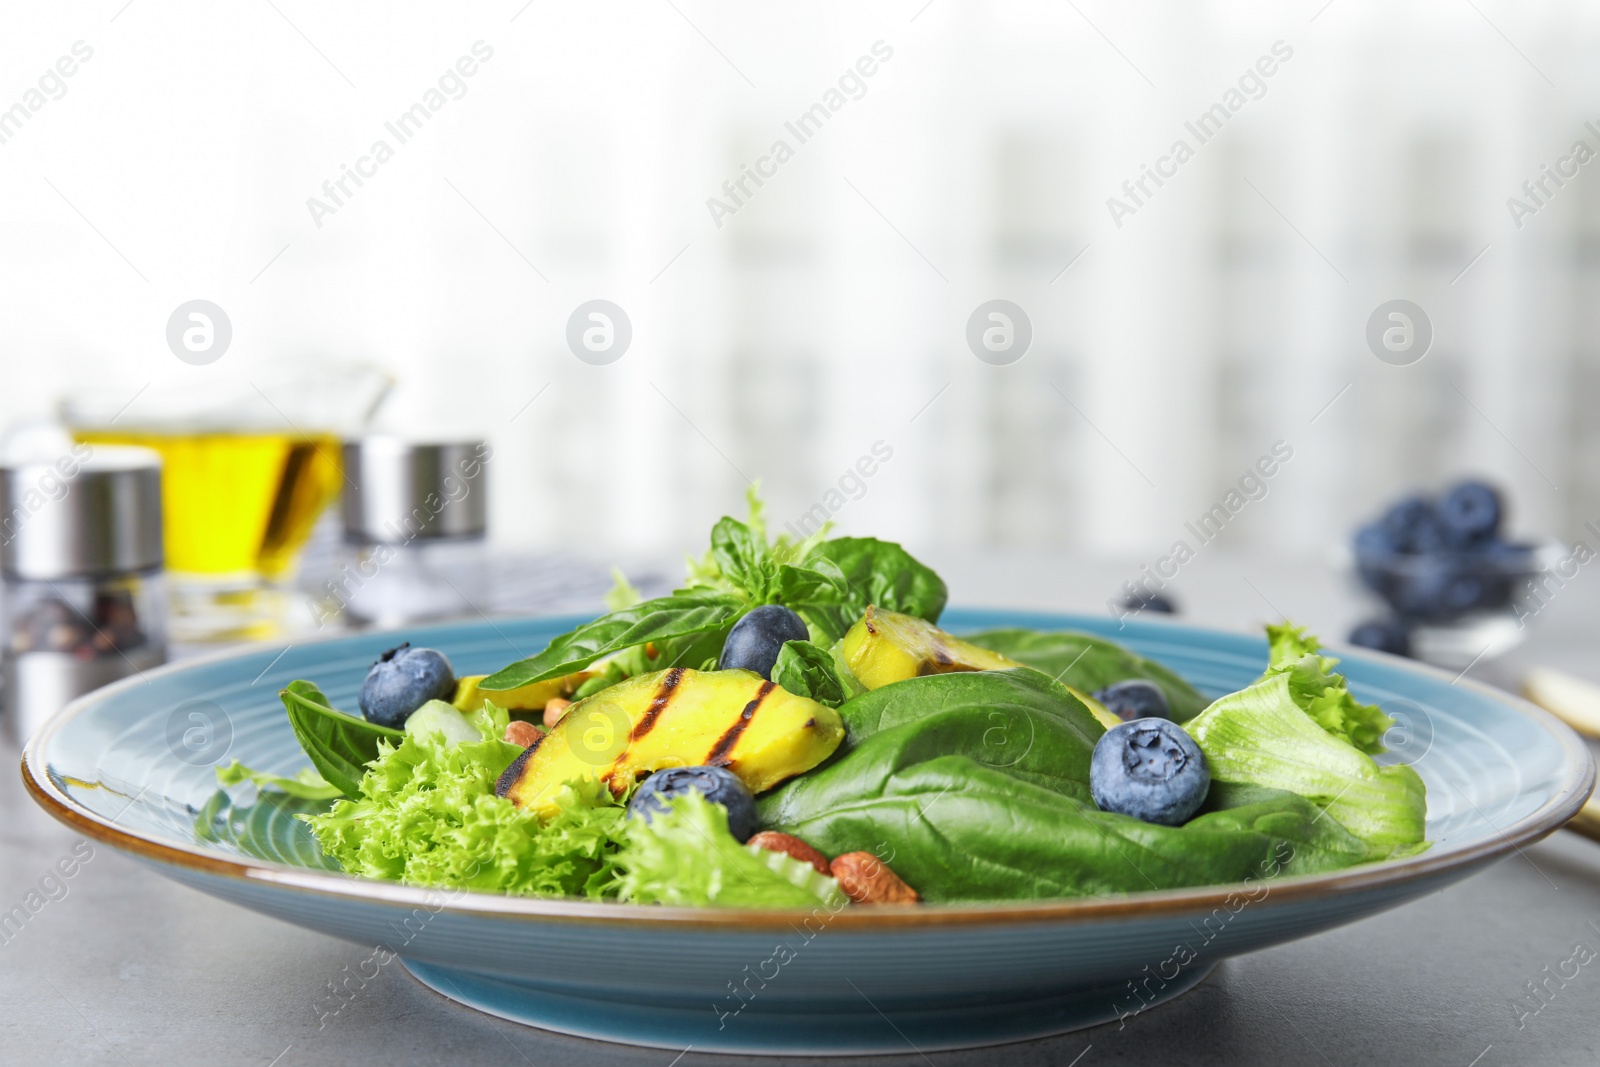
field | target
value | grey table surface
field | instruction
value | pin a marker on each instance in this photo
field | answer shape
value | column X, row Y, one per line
column 128, row 968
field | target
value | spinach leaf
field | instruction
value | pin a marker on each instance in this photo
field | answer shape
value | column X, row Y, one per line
column 807, row 670
column 873, row 572
column 1007, row 694
column 338, row 745
column 1028, row 746
column 686, row 612
column 930, row 798
column 1086, row 662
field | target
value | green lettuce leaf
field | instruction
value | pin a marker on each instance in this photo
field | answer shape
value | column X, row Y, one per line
column 623, row 593
column 1261, row 736
column 687, row 857
column 307, row 784
column 427, row 815
column 1321, row 693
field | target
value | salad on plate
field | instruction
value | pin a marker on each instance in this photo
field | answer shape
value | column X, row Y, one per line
column 791, row 726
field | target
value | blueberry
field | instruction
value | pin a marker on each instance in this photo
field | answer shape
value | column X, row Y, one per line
column 403, row 680
column 1440, row 586
column 1385, row 635
column 1158, row 602
column 1470, row 513
column 1150, row 769
column 1412, row 525
column 755, row 640
column 1374, row 553
column 717, row 784
column 1134, row 699
column 1373, row 542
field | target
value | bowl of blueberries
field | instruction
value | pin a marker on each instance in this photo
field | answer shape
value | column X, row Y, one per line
column 1449, row 576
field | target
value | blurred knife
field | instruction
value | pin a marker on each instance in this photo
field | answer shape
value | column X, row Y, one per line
column 1576, row 703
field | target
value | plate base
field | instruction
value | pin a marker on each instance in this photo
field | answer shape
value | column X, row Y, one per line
column 802, row 1032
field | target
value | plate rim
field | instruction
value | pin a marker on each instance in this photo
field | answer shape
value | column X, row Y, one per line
column 1577, row 782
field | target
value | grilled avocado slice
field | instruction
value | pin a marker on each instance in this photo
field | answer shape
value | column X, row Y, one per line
column 676, row 718
column 529, row 698
column 885, row 646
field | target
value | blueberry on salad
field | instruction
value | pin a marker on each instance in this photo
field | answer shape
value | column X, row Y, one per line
column 403, row 680
column 755, row 640
column 1134, row 699
column 1150, row 769
column 717, row 784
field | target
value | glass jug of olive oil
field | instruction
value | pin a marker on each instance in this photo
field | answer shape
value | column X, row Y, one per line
column 240, row 494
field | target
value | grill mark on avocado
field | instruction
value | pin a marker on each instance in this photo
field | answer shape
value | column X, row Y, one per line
column 512, row 774
column 658, row 704
column 928, row 667
column 718, row 757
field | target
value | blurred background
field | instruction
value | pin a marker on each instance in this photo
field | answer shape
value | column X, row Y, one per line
column 781, row 331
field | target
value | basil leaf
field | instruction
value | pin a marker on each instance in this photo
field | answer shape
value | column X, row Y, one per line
column 806, row 670
column 822, row 584
column 872, row 572
column 339, row 746
column 686, row 612
column 1087, row 662
column 743, row 557
column 820, row 594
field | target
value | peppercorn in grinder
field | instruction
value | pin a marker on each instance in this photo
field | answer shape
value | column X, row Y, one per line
column 84, row 603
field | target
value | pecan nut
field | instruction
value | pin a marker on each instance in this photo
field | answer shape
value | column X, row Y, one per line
column 866, row 879
column 521, row 732
column 790, row 846
column 554, row 708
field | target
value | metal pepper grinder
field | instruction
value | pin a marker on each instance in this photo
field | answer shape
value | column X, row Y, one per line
column 415, row 524
column 84, row 603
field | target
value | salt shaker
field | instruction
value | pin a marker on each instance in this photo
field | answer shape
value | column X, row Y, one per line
column 415, row 524
column 84, row 603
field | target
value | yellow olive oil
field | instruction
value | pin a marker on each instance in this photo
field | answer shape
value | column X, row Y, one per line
column 237, row 503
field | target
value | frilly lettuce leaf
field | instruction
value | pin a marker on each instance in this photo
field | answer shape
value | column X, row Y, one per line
column 427, row 815
column 1321, row 693
column 687, row 857
column 307, row 784
column 1260, row 736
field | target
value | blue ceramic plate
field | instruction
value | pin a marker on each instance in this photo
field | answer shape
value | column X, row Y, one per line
column 132, row 765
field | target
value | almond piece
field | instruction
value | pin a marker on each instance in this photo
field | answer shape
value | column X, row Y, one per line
column 790, row 846
column 521, row 732
column 554, row 709
column 868, row 880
